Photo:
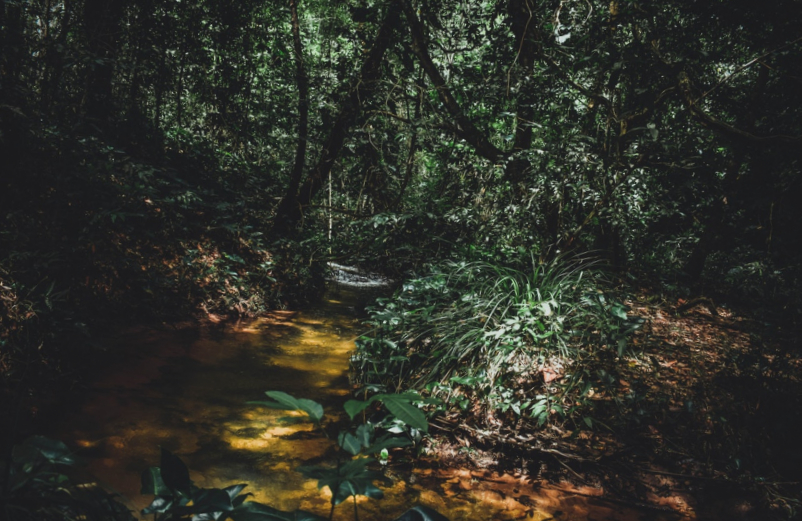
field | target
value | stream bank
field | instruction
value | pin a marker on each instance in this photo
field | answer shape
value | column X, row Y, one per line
column 186, row 390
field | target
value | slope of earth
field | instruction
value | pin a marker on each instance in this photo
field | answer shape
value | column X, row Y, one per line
column 698, row 420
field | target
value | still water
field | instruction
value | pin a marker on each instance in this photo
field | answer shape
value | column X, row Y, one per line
column 186, row 390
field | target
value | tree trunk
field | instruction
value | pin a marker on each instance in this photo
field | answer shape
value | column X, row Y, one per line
column 179, row 93
column 526, row 40
column 466, row 129
column 303, row 117
column 11, row 50
column 162, row 71
column 413, row 146
column 101, row 24
column 290, row 210
column 11, row 120
column 715, row 225
column 54, row 62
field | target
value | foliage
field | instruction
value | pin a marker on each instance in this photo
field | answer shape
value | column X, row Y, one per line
column 353, row 477
column 497, row 334
column 36, row 486
column 178, row 498
column 286, row 402
column 101, row 234
column 147, row 148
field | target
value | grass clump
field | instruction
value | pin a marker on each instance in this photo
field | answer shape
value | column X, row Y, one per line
column 531, row 341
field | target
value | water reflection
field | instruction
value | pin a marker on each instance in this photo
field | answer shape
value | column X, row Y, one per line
column 186, row 391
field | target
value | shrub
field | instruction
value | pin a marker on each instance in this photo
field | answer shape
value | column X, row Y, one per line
column 532, row 341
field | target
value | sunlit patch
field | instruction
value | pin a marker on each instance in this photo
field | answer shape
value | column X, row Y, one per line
column 282, row 467
column 116, row 442
column 86, row 444
column 251, row 330
column 249, row 444
column 279, row 431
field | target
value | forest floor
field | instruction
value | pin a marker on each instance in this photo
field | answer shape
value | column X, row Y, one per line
column 698, row 421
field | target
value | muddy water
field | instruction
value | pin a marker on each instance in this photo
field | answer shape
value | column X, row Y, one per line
column 186, row 390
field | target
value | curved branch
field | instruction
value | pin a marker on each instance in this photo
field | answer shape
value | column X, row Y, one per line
column 570, row 81
column 725, row 128
column 744, row 67
column 469, row 131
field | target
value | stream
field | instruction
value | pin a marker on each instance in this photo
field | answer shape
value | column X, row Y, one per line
column 186, row 390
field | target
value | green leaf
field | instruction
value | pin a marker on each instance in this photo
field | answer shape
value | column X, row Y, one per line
column 153, row 484
column 372, row 491
column 345, row 490
column 354, row 407
column 388, row 442
column 364, row 433
column 289, row 402
column 159, row 505
column 620, row 311
column 312, row 408
column 174, row 473
column 53, row 451
column 234, row 490
column 315, row 471
column 622, row 345
column 286, row 402
column 407, row 413
column 206, row 501
column 350, row 443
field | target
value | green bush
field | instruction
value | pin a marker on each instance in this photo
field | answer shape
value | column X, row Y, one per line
column 530, row 341
column 35, row 486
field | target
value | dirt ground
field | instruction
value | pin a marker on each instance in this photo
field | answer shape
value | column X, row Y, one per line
column 699, row 420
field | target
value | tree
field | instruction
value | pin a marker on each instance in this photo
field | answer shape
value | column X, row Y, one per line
column 290, row 210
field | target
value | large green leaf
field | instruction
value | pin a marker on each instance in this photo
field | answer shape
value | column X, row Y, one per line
column 349, row 443
column 153, row 484
column 174, row 473
column 354, row 407
column 351, row 478
column 388, row 442
column 312, row 408
column 159, row 505
column 287, row 402
column 402, row 412
column 407, row 413
column 619, row 311
column 356, row 487
column 206, row 501
column 53, row 451
column 233, row 493
column 317, row 472
column 364, row 433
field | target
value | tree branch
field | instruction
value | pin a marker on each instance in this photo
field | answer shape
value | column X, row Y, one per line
column 469, row 131
column 725, row 128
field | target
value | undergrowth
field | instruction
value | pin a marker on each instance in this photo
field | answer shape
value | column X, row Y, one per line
column 532, row 342
column 98, row 230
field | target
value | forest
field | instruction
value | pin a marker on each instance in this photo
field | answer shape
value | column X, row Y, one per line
column 586, row 209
